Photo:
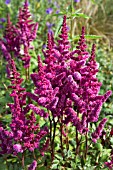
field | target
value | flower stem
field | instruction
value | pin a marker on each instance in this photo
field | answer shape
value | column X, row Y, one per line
column 61, row 136
column 77, row 143
column 86, row 142
column 23, row 165
column 50, row 128
column 71, row 33
column 52, row 142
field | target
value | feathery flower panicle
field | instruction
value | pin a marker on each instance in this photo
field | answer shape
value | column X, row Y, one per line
column 5, row 51
column 63, row 42
column 49, row 53
column 95, row 135
column 27, row 31
column 21, row 35
column 6, row 141
column 41, row 112
column 24, row 132
column 11, row 38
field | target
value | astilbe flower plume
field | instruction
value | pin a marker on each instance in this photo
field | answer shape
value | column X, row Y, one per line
column 11, row 38
column 27, row 32
column 17, row 39
column 65, row 81
column 98, row 132
column 25, row 133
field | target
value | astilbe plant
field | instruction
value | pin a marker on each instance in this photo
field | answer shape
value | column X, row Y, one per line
column 66, row 85
column 66, row 95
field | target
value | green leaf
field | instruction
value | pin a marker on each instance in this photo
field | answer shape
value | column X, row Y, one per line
column 73, row 142
column 87, row 37
column 78, row 10
column 6, row 118
column 58, row 27
column 56, row 161
column 69, row 154
column 59, row 14
column 54, row 166
column 105, row 153
column 80, row 15
column 111, row 140
column 2, row 165
column 99, row 146
column 92, row 36
column 83, row 161
column 42, row 168
column 59, row 157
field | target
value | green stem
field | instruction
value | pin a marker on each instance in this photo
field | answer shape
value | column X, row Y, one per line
column 86, row 141
column 23, row 165
column 67, row 140
column 34, row 156
column 61, row 137
column 50, row 128
column 53, row 139
column 6, row 163
column 77, row 140
column 71, row 33
column 86, row 146
column 77, row 143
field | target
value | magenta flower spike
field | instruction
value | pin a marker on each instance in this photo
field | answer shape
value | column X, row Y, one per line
column 21, row 35
column 95, row 135
column 25, row 133
column 63, row 42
